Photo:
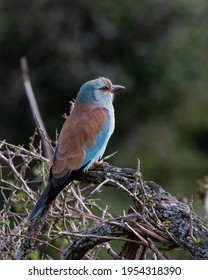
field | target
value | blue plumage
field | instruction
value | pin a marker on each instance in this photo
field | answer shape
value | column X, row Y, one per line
column 97, row 150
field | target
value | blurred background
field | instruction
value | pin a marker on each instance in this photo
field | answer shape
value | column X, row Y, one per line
column 157, row 49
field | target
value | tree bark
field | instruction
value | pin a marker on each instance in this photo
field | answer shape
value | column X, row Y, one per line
column 155, row 215
column 156, row 210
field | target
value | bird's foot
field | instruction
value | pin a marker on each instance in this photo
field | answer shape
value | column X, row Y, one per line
column 98, row 163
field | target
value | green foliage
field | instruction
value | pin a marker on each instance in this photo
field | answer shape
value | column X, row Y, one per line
column 198, row 241
column 35, row 255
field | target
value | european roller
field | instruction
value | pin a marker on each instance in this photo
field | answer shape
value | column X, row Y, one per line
column 83, row 137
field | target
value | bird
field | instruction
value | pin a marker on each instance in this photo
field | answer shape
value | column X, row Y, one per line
column 83, row 138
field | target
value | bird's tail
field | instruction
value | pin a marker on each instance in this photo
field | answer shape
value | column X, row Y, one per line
column 49, row 194
column 52, row 191
column 42, row 202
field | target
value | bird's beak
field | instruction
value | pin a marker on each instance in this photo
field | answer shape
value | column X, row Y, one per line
column 116, row 88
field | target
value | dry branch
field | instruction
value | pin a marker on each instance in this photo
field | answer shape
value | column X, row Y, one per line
column 172, row 226
column 154, row 223
column 34, row 108
column 174, row 217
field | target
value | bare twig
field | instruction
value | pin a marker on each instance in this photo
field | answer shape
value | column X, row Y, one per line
column 155, row 250
column 34, row 107
column 203, row 193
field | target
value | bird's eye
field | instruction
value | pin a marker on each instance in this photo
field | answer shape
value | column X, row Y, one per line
column 104, row 88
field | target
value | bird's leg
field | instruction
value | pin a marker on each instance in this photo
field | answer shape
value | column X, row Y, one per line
column 98, row 163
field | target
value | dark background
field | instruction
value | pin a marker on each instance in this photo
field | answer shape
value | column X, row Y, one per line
column 157, row 49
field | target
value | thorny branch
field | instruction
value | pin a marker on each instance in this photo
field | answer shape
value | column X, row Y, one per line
column 78, row 227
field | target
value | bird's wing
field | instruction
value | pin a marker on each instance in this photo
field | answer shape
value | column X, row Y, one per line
column 79, row 130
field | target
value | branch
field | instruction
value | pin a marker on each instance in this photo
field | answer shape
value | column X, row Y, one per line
column 34, row 108
column 155, row 215
column 171, row 218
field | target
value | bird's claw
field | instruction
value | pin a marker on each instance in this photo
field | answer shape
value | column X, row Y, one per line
column 98, row 163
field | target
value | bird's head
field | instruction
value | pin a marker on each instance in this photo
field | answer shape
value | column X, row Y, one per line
column 100, row 90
